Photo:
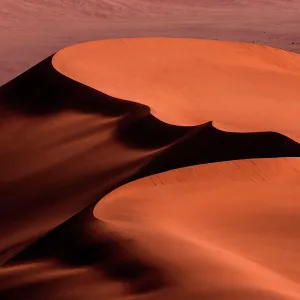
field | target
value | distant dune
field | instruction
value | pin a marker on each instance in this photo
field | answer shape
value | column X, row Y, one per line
column 94, row 121
column 34, row 29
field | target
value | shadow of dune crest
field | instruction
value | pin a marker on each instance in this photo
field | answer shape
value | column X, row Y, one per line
column 97, row 247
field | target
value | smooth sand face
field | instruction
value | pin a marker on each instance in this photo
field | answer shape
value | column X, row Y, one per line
column 240, row 87
column 225, row 230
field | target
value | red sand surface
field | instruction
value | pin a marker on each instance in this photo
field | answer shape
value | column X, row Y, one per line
column 226, row 230
column 220, row 223
column 244, row 86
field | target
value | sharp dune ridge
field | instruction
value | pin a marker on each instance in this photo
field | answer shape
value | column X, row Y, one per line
column 218, row 206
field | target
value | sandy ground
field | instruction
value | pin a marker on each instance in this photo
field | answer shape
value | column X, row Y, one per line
column 34, row 29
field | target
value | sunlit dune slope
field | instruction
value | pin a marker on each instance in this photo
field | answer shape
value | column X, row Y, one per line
column 189, row 81
column 226, row 230
column 64, row 145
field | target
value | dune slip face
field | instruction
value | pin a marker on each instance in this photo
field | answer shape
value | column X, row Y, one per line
column 83, row 125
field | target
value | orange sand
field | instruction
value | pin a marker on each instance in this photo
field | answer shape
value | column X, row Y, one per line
column 244, row 87
column 226, row 230
column 193, row 227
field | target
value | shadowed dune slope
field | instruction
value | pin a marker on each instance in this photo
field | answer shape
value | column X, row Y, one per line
column 64, row 146
column 189, row 81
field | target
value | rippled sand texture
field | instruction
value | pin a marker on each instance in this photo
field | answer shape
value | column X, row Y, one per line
column 86, row 212
column 34, row 29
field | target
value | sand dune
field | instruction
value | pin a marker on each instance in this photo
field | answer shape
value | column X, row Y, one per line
column 217, row 228
column 240, row 85
column 66, row 132
column 191, row 146
column 216, row 231
column 65, row 145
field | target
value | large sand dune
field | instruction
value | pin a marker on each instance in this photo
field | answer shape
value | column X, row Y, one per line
column 242, row 86
column 212, row 230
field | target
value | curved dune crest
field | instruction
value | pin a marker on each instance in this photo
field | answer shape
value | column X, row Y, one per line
column 248, row 86
column 217, row 228
column 231, row 128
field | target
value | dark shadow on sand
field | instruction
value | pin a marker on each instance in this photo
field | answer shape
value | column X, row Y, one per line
column 43, row 91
